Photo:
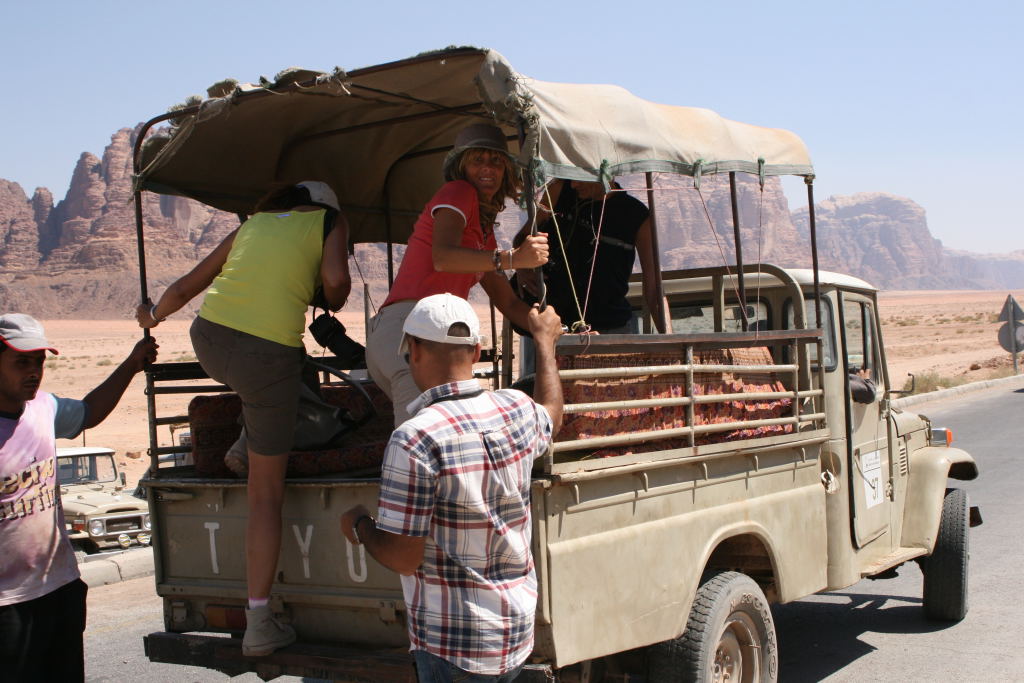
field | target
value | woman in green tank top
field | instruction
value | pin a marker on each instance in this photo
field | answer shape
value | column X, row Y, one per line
column 248, row 335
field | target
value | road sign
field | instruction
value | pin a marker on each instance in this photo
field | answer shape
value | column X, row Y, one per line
column 1011, row 311
column 1007, row 342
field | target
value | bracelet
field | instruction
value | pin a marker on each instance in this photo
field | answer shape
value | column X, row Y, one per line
column 510, row 258
column 496, row 259
column 152, row 314
column 355, row 526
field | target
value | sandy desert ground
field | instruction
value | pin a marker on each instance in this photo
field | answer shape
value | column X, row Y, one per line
column 949, row 333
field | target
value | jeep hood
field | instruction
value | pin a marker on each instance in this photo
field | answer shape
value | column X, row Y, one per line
column 104, row 502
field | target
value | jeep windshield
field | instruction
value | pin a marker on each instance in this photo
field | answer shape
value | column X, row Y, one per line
column 85, row 469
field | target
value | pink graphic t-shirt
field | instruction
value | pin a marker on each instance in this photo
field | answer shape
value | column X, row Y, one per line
column 36, row 556
column 416, row 276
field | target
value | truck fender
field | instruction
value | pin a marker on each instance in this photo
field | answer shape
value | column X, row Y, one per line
column 930, row 468
column 756, row 540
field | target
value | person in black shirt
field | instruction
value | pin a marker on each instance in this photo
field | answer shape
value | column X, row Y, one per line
column 585, row 216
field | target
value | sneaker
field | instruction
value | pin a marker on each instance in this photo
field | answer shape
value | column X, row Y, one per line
column 237, row 457
column 264, row 633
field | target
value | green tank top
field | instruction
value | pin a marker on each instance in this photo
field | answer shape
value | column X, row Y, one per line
column 269, row 277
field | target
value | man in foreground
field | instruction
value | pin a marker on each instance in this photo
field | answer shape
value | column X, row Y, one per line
column 42, row 598
column 454, row 507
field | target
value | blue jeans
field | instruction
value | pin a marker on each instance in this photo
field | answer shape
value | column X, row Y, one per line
column 433, row 669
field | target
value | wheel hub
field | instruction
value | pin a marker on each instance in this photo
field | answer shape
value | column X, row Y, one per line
column 737, row 656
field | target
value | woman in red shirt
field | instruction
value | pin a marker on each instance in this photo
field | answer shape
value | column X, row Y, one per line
column 452, row 248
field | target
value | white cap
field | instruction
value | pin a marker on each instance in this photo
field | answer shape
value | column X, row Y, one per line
column 433, row 316
column 320, row 193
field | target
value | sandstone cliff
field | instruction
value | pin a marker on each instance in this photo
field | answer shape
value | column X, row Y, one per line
column 79, row 259
column 885, row 240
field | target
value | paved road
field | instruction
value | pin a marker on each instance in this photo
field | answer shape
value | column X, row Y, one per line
column 119, row 616
column 873, row 631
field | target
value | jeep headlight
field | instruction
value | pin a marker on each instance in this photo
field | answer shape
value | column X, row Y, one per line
column 940, row 436
column 146, row 523
column 96, row 527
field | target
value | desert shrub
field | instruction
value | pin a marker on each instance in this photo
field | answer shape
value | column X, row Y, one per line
column 932, row 381
column 999, row 373
column 104, row 361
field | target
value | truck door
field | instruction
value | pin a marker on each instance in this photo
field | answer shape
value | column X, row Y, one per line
column 867, row 436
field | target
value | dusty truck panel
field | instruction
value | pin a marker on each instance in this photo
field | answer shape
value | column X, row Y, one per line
column 329, row 589
column 625, row 559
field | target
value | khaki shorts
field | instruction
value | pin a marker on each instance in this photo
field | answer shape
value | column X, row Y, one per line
column 387, row 368
column 265, row 375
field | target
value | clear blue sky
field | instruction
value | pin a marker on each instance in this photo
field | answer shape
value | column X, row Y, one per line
column 917, row 98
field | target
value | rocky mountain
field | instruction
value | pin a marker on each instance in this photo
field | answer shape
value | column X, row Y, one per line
column 885, row 240
column 78, row 258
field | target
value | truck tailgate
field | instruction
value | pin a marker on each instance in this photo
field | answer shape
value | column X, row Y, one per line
column 328, row 589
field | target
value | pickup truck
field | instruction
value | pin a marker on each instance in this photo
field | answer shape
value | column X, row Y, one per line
column 700, row 476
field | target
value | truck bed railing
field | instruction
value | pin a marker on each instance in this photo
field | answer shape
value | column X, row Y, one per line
column 688, row 402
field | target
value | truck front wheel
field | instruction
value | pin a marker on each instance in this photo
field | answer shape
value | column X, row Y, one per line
column 729, row 636
column 945, row 570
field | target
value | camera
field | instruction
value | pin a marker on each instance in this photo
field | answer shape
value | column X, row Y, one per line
column 330, row 333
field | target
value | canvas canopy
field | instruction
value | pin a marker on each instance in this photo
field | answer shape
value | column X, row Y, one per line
column 378, row 136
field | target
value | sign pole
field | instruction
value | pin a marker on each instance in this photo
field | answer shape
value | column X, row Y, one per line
column 1013, row 344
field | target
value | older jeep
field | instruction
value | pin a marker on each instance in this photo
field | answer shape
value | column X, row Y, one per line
column 98, row 510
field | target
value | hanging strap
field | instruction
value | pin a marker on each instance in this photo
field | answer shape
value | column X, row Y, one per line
column 725, row 261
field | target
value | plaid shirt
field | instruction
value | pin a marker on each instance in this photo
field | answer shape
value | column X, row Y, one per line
column 458, row 472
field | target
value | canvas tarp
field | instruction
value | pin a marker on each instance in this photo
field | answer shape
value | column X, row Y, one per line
column 378, row 135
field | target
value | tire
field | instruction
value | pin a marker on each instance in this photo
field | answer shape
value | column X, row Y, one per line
column 729, row 636
column 945, row 570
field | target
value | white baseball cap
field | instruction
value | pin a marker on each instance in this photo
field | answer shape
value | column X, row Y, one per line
column 432, row 317
column 320, row 193
column 23, row 333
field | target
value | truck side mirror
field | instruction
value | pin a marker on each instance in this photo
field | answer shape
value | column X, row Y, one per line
column 124, row 482
column 913, row 383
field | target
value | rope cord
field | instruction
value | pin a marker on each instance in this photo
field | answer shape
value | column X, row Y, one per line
column 581, row 322
column 725, row 261
column 577, row 327
column 366, row 288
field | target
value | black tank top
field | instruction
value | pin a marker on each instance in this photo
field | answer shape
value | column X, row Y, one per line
column 578, row 221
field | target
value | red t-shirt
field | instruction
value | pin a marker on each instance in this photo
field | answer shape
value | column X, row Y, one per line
column 416, row 276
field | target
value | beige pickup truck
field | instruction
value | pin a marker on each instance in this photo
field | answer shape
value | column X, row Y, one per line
column 99, row 511
column 700, row 475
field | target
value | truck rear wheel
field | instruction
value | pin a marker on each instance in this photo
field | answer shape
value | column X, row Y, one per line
column 729, row 636
column 945, row 570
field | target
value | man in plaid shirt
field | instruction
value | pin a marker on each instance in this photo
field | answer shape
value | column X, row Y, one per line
column 454, row 507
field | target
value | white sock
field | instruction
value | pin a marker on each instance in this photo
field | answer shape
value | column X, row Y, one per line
column 258, row 602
